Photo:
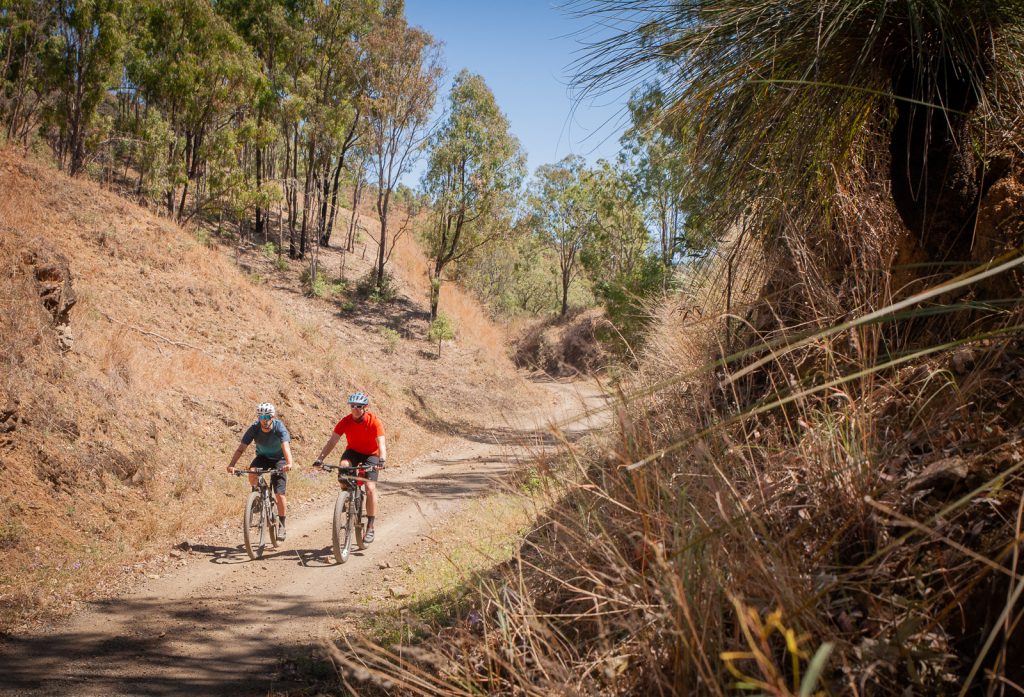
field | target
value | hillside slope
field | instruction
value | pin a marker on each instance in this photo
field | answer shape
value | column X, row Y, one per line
column 131, row 357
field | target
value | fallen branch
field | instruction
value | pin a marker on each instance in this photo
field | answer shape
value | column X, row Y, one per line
column 144, row 332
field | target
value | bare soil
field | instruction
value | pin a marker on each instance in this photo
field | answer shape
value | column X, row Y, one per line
column 217, row 623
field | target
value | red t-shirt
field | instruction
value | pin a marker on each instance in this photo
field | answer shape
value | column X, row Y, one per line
column 361, row 436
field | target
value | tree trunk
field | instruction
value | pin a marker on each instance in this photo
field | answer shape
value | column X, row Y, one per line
column 936, row 182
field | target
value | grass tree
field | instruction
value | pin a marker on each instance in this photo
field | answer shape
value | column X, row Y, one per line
column 787, row 103
column 476, row 167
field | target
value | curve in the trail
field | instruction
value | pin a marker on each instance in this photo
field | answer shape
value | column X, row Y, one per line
column 219, row 624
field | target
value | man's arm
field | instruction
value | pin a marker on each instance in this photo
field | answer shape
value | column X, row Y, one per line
column 382, row 450
column 328, row 447
column 287, row 448
column 238, row 453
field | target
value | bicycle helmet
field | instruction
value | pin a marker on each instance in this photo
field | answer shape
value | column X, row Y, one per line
column 265, row 409
column 358, row 399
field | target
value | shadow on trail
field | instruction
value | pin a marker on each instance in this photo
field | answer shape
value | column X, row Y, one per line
column 130, row 659
column 310, row 558
column 497, row 435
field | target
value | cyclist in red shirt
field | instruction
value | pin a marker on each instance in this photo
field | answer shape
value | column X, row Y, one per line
column 364, row 438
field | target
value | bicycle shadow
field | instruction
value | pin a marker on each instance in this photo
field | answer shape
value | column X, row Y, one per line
column 237, row 554
column 323, row 558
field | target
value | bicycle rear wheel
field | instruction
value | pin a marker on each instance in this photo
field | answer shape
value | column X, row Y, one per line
column 254, row 526
column 342, row 536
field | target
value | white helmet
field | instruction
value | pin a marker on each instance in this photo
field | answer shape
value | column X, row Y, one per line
column 358, row 399
column 265, row 409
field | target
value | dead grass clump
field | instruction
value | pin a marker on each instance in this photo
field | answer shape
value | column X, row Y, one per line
column 564, row 347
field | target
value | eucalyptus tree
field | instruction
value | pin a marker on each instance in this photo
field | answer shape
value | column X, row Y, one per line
column 25, row 26
column 476, row 167
column 203, row 78
column 662, row 177
column 400, row 76
column 269, row 28
column 83, row 58
column 626, row 267
column 564, row 215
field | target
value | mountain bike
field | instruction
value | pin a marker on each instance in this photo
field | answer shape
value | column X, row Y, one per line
column 348, row 509
column 260, row 521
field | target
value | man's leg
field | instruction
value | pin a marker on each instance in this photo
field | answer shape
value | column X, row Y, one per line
column 371, row 511
column 280, row 486
column 371, row 499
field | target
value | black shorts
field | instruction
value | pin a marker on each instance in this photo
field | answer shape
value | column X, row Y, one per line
column 358, row 460
column 278, row 479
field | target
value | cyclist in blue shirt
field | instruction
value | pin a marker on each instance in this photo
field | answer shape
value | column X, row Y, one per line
column 273, row 452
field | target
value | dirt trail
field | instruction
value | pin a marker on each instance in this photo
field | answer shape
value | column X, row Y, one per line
column 218, row 624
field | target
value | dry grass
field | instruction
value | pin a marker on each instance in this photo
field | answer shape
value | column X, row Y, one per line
column 796, row 499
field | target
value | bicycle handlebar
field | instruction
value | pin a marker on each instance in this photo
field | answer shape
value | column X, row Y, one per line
column 372, row 468
column 239, row 473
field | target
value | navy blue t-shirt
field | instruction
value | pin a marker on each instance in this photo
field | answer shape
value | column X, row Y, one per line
column 268, row 444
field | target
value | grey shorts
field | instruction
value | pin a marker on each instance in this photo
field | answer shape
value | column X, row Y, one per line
column 278, row 479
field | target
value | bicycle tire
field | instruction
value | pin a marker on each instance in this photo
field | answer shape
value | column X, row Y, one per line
column 359, row 523
column 254, row 526
column 342, row 529
column 272, row 519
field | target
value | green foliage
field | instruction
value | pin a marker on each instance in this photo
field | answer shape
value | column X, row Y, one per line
column 475, row 170
column 320, row 286
column 269, row 250
column 80, row 60
column 441, row 329
column 625, row 272
column 400, row 73
column 389, row 338
column 369, row 289
column 563, row 214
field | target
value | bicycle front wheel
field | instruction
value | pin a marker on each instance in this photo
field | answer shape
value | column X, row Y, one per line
column 271, row 512
column 254, row 526
column 359, row 522
column 342, row 536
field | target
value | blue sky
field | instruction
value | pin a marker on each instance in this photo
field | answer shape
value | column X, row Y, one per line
column 523, row 49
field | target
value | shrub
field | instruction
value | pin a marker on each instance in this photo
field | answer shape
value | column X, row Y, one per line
column 390, row 339
column 441, row 329
column 368, row 289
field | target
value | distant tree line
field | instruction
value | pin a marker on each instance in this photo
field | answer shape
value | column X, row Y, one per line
column 230, row 108
column 273, row 115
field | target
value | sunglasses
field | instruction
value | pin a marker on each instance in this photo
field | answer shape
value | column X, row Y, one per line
column 265, row 417
column 357, row 406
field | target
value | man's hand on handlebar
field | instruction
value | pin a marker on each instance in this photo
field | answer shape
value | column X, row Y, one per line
column 231, row 469
column 318, row 463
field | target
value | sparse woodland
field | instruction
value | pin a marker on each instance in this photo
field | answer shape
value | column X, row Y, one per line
column 803, row 274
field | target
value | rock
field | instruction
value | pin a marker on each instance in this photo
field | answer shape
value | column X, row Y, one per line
column 943, row 473
column 398, row 592
column 52, row 273
column 177, row 554
column 384, row 565
column 962, row 361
